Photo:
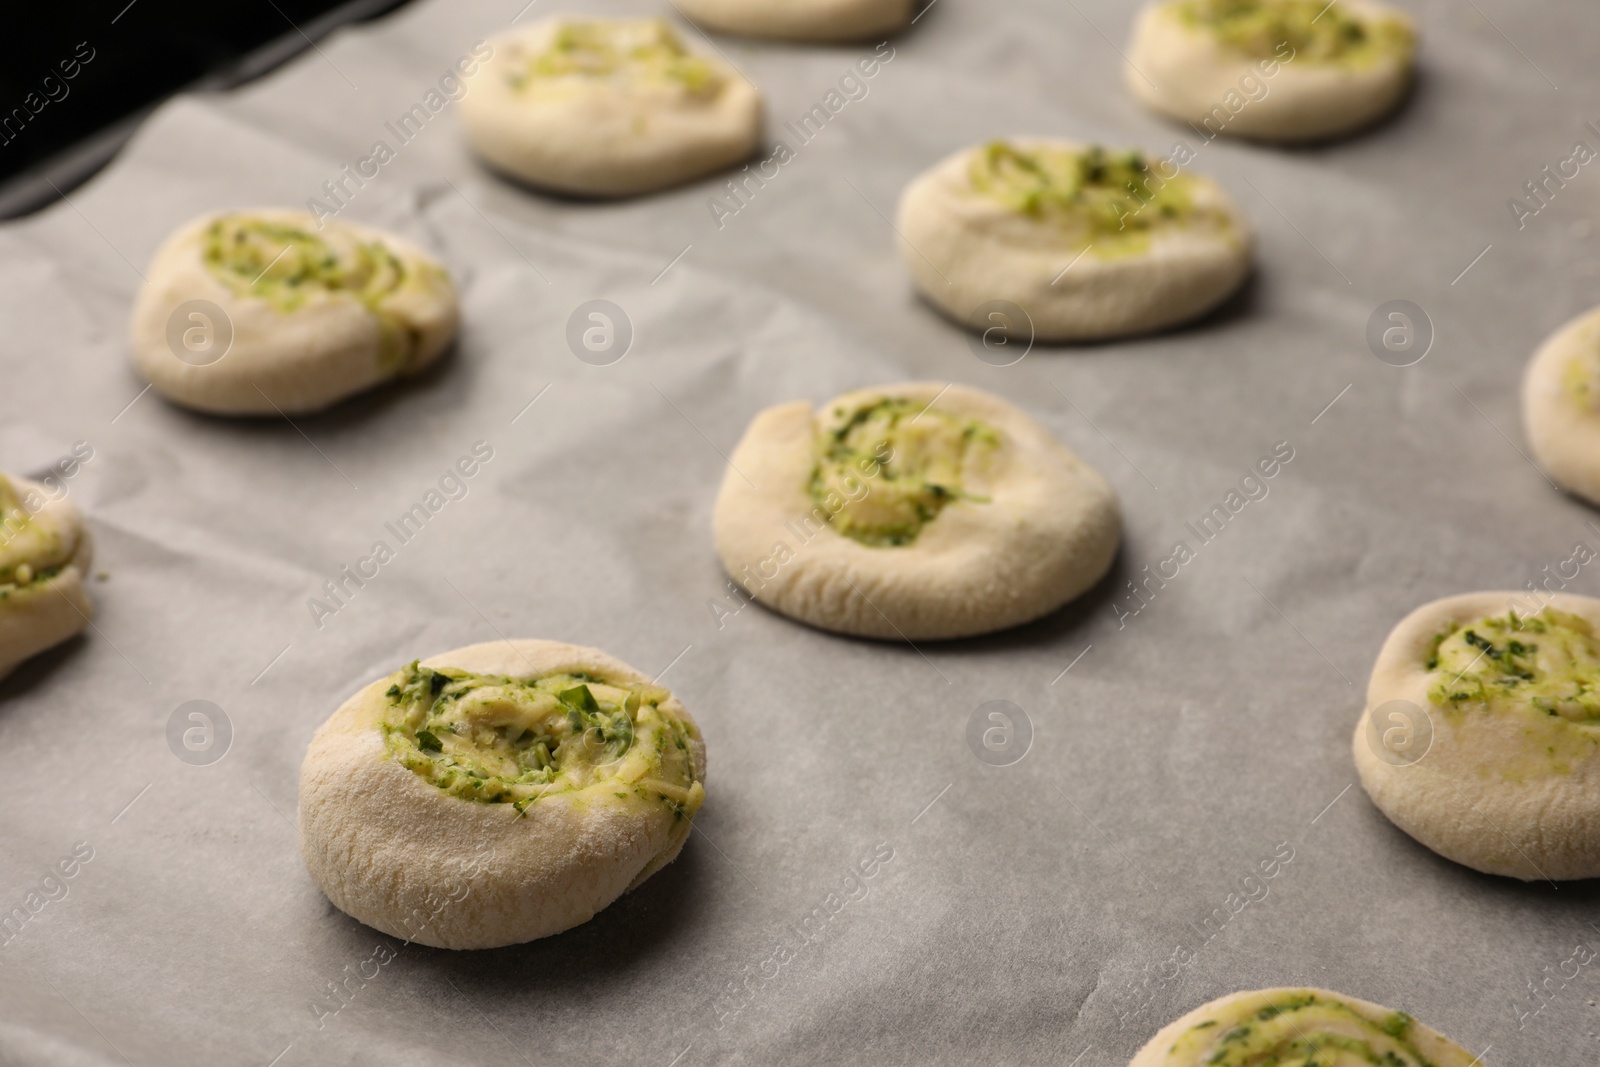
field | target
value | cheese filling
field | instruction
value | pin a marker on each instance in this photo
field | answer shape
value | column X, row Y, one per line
column 1302, row 1029
column 502, row 740
column 34, row 548
column 888, row 468
column 639, row 52
column 1110, row 202
column 1548, row 663
column 287, row 266
column 1318, row 32
column 1580, row 380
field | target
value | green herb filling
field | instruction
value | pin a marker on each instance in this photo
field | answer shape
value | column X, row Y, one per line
column 33, row 549
column 502, row 740
column 1303, row 1030
column 1113, row 201
column 1578, row 381
column 286, row 266
column 888, row 468
column 643, row 50
column 1317, row 31
column 1548, row 662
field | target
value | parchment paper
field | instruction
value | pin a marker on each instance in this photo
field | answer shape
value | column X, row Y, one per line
column 1054, row 911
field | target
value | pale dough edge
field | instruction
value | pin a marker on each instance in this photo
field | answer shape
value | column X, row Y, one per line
column 60, row 608
column 279, row 363
column 1185, row 75
column 1438, row 1048
column 587, row 145
column 971, row 571
column 958, row 266
column 379, row 840
column 801, row 20
column 1534, row 830
column 1564, row 440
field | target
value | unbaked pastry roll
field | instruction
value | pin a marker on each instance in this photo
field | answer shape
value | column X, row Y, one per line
column 1091, row 244
column 916, row 510
column 1508, row 688
column 1561, row 406
column 608, row 107
column 498, row 793
column 45, row 555
column 1310, row 1027
column 308, row 317
column 801, row 20
column 1272, row 70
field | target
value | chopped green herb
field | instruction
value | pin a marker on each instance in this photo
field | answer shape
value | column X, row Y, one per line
column 287, row 265
column 1110, row 202
column 580, row 698
column 1300, row 31
column 1492, row 663
column 890, row 466
column 643, row 51
column 516, row 740
column 1300, row 1030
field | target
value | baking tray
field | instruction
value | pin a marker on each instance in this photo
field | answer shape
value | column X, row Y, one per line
column 1057, row 909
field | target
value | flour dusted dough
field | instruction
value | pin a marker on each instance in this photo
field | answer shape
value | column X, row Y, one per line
column 1561, row 406
column 965, row 248
column 45, row 555
column 315, row 315
column 608, row 107
column 801, row 20
column 1277, row 93
column 1285, row 1025
column 1045, row 529
column 1507, row 792
column 396, row 852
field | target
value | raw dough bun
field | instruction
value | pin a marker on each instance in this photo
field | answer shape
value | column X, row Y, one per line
column 965, row 248
column 39, row 531
column 1300, row 1014
column 297, row 346
column 388, row 846
column 1486, row 794
column 1561, row 406
column 1049, row 532
column 1187, row 73
column 610, row 127
column 801, row 20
